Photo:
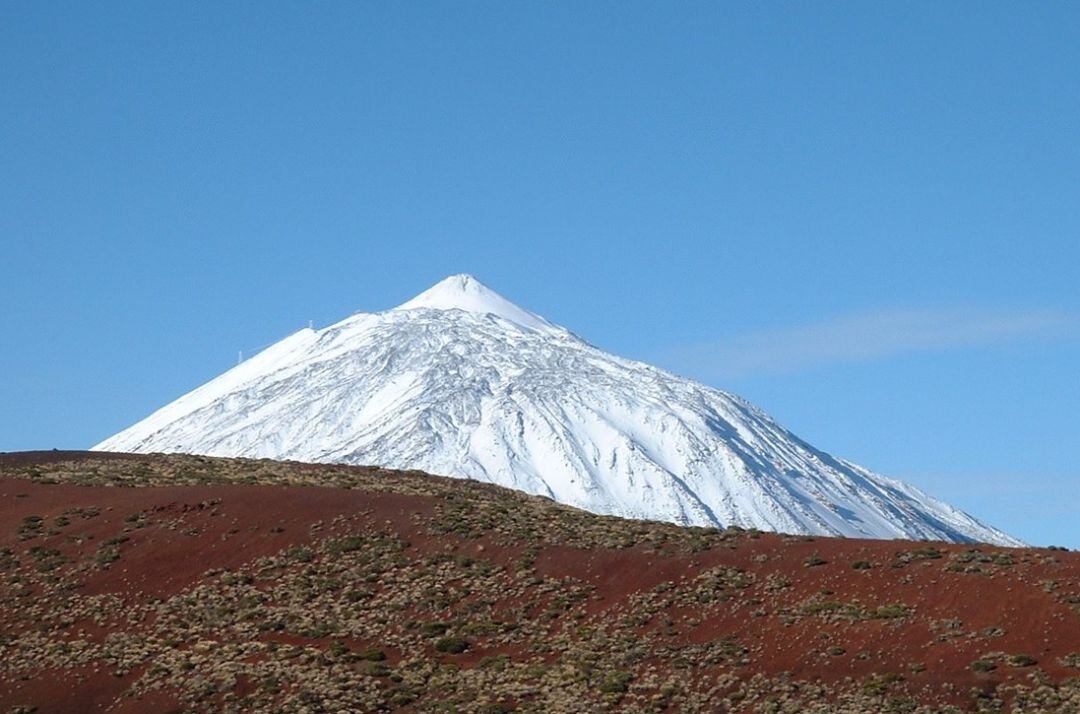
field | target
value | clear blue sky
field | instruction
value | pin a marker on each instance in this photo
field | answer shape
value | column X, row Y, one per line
column 864, row 217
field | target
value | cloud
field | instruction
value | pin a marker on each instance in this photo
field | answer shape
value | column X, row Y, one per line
column 863, row 337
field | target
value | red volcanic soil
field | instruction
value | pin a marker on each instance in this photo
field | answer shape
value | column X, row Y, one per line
column 238, row 596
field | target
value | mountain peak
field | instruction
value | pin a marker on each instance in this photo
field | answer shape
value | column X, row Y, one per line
column 464, row 292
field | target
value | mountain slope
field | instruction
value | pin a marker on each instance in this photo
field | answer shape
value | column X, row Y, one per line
column 138, row 583
column 460, row 381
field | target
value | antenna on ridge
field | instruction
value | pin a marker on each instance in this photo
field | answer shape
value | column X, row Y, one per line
column 311, row 324
column 239, row 356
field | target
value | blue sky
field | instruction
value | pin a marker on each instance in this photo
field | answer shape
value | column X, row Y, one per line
column 864, row 217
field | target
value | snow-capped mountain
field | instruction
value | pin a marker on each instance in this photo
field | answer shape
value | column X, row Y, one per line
column 459, row 381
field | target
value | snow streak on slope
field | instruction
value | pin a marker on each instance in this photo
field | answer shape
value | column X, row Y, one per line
column 460, row 381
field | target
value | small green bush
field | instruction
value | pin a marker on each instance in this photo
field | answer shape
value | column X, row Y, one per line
column 346, row 545
column 434, row 629
column 452, row 645
column 616, row 682
column 372, row 654
column 107, row 556
column 302, row 555
column 375, row 669
column 890, row 612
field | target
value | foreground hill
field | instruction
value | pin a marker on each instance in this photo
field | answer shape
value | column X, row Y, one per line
column 461, row 382
column 176, row 583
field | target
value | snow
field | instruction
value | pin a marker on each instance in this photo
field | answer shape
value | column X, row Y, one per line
column 460, row 381
column 464, row 292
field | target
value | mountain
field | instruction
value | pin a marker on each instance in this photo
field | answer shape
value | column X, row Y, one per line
column 460, row 381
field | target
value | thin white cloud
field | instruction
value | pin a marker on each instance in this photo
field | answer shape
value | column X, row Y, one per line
column 863, row 337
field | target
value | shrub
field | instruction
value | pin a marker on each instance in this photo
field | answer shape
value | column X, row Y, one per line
column 434, row 629
column 402, row 696
column 616, row 682
column 452, row 645
column 814, row 560
column 494, row 662
column 375, row 669
column 1022, row 660
column 302, row 555
column 371, row 654
column 318, row 631
column 107, row 556
column 862, row 565
column 890, row 612
column 346, row 545
column 928, row 553
column 878, row 684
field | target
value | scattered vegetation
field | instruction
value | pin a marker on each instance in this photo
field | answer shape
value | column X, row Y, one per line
column 464, row 597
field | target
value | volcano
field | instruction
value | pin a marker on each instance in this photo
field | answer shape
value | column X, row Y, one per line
column 462, row 382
